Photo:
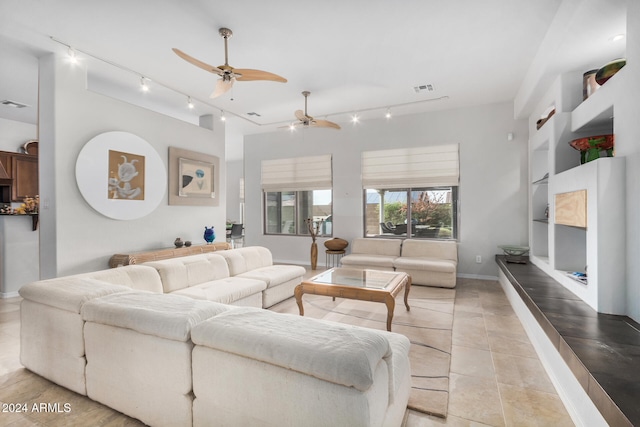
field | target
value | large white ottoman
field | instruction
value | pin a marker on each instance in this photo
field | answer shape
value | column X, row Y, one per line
column 256, row 367
column 138, row 351
column 51, row 327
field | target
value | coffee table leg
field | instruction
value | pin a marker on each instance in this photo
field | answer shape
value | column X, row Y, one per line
column 391, row 305
column 298, row 291
column 407, row 288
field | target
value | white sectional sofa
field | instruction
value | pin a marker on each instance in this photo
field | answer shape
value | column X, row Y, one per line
column 428, row 262
column 148, row 341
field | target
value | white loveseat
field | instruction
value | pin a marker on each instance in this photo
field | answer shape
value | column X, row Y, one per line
column 179, row 359
column 428, row 262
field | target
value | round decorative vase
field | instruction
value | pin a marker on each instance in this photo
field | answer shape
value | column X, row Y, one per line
column 314, row 255
column 209, row 235
column 178, row 242
column 187, row 243
column 336, row 244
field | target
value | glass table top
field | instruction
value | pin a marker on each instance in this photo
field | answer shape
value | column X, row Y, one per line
column 373, row 279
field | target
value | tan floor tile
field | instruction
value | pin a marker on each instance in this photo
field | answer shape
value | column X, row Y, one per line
column 519, row 346
column 526, row 407
column 524, row 372
column 472, row 362
column 505, row 325
column 469, row 330
column 476, row 399
column 417, row 419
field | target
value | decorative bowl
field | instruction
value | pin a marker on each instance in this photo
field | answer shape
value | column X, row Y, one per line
column 336, row 244
column 608, row 70
column 514, row 250
column 601, row 142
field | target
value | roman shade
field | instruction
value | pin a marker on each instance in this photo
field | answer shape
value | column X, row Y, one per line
column 297, row 174
column 430, row 166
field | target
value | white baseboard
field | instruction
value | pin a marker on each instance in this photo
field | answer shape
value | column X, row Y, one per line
column 14, row 294
column 581, row 408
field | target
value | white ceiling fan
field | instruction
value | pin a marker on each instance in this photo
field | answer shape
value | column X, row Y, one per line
column 306, row 120
column 228, row 74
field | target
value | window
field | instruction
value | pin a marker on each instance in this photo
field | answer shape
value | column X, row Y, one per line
column 295, row 190
column 286, row 211
column 431, row 212
column 411, row 192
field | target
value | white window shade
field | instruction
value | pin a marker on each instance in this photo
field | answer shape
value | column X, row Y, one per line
column 411, row 167
column 297, row 174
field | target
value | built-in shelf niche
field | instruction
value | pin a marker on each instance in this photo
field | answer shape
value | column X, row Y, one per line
column 597, row 243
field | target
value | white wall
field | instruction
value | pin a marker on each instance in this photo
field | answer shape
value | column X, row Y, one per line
column 493, row 177
column 74, row 237
column 14, row 134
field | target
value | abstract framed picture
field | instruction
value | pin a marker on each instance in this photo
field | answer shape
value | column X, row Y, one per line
column 196, row 178
column 193, row 178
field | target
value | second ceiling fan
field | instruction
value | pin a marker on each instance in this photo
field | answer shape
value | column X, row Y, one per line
column 228, row 74
column 308, row 121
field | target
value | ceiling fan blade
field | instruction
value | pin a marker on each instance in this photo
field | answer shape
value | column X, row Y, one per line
column 300, row 115
column 248, row 75
column 325, row 123
column 198, row 63
column 222, row 86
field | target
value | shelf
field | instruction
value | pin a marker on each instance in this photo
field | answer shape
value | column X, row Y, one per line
column 540, row 139
column 596, row 112
column 541, row 181
column 542, row 220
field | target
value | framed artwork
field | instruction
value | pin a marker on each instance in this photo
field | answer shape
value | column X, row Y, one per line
column 126, row 176
column 196, row 178
column 193, row 178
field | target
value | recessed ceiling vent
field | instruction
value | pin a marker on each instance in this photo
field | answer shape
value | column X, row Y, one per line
column 254, row 114
column 12, row 104
column 423, row 88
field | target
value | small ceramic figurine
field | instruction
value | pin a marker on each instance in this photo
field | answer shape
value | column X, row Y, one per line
column 178, row 242
column 209, row 235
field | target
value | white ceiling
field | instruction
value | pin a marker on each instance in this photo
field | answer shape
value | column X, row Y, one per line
column 354, row 56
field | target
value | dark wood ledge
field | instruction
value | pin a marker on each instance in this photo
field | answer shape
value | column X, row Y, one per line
column 602, row 350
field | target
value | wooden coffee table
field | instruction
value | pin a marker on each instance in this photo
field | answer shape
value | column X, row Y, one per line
column 363, row 285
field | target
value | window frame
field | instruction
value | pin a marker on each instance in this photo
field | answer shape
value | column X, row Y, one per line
column 300, row 226
column 455, row 216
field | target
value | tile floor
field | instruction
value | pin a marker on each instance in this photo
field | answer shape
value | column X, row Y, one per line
column 496, row 377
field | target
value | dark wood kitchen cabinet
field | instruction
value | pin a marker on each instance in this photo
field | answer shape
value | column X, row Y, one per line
column 22, row 171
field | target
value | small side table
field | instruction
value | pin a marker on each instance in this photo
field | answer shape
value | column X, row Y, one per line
column 333, row 258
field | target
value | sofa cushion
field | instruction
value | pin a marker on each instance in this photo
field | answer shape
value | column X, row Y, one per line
column 371, row 246
column 275, row 275
column 68, row 293
column 246, row 259
column 137, row 277
column 436, row 249
column 224, row 291
column 179, row 273
column 328, row 351
column 425, row 264
column 381, row 261
column 165, row 316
